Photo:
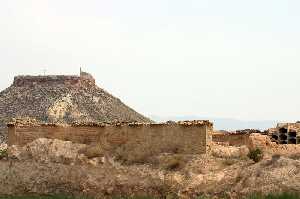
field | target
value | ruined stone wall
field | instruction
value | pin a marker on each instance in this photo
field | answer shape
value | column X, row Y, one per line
column 129, row 141
column 285, row 133
column 232, row 139
column 57, row 80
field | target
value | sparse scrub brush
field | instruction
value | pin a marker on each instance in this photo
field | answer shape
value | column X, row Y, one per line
column 3, row 153
column 295, row 156
column 174, row 162
column 256, row 155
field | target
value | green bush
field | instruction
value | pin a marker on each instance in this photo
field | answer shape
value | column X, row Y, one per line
column 3, row 153
column 256, row 155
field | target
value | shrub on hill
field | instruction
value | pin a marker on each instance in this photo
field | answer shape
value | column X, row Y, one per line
column 256, row 155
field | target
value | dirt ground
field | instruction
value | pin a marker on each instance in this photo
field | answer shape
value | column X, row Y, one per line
column 224, row 171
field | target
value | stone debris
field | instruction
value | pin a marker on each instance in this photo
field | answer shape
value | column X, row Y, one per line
column 26, row 121
column 248, row 131
column 195, row 122
column 56, row 151
column 229, row 151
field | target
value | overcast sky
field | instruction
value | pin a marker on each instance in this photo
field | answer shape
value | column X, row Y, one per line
column 213, row 58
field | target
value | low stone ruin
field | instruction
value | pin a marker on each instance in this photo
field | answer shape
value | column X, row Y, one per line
column 283, row 133
column 131, row 142
column 286, row 133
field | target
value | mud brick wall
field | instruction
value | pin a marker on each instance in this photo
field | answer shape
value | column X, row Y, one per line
column 232, row 139
column 131, row 142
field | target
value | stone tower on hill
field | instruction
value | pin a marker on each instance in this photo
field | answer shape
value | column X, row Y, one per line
column 63, row 99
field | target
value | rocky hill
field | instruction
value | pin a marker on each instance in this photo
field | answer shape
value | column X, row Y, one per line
column 62, row 99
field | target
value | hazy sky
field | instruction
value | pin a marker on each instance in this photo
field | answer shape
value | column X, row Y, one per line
column 212, row 58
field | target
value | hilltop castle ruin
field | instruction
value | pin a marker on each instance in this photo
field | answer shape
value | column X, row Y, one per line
column 62, row 99
column 55, row 80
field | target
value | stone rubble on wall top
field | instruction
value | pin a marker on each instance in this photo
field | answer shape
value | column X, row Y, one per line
column 23, row 122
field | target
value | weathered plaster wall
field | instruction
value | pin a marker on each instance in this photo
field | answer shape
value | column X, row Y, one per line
column 130, row 142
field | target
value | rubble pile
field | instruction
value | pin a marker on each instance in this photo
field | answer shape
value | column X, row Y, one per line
column 26, row 121
column 229, row 151
column 32, row 122
column 248, row 131
column 195, row 122
column 54, row 151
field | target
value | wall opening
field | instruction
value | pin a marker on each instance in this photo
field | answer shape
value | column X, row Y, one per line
column 298, row 140
column 292, row 134
column 283, row 136
column 275, row 137
column 292, row 141
column 283, row 142
column 283, row 130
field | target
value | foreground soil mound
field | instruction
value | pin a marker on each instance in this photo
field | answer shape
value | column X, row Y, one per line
column 272, row 175
column 57, row 167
